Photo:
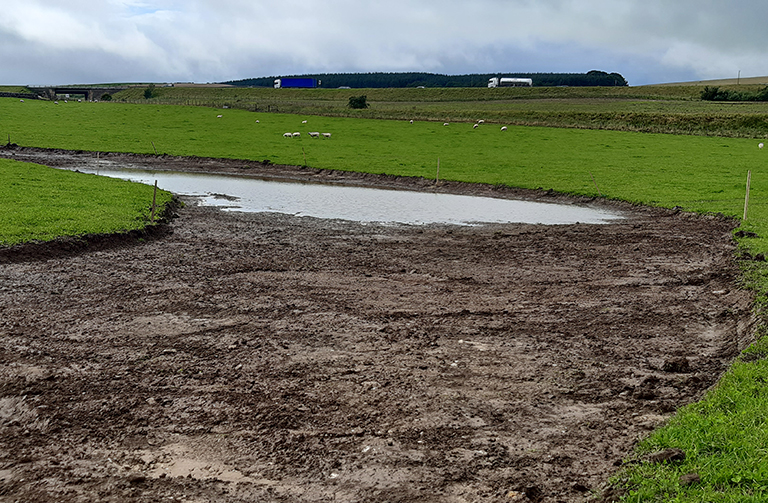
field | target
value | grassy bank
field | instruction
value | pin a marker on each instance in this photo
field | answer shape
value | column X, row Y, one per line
column 40, row 203
column 700, row 173
column 724, row 438
column 14, row 89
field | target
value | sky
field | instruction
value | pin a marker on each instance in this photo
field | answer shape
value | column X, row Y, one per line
column 55, row 42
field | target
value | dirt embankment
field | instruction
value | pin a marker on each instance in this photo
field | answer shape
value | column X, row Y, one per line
column 262, row 357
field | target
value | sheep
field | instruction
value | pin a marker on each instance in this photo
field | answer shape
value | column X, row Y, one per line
column 474, row 126
column 257, row 121
column 411, row 121
column 326, row 135
column 219, row 116
column 480, row 121
column 303, row 122
column 296, row 135
column 445, row 123
column 287, row 135
column 503, row 128
column 314, row 134
column 21, row 101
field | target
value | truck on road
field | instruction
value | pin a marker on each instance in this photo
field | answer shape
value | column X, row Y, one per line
column 509, row 82
column 304, row 82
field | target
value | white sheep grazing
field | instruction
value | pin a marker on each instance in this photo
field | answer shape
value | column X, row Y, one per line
column 445, row 123
column 287, row 135
column 296, row 135
column 303, row 122
column 21, row 101
column 503, row 128
column 314, row 134
column 326, row 135
column 480, row 121
column 219, row 116
column 411, row 121
column 474, row 126
column 257, row 121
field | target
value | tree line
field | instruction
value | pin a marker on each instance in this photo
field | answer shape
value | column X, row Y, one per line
column 420, row 79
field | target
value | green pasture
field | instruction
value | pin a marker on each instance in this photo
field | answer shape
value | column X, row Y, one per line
column 725, row 435
column 39, row 203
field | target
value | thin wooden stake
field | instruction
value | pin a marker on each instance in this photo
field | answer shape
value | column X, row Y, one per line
column 746, row 198
column 154, row 200
column 595, row 182
column 153, row 147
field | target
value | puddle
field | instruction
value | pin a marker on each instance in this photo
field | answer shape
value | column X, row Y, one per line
column 359, row 204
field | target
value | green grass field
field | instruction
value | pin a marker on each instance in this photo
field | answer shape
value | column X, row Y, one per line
column 40, row 203
column 725, row 435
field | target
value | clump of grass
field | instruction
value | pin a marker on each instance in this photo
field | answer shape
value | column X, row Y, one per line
column 40, row 203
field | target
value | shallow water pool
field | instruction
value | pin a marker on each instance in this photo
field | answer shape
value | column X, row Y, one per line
column 238, row 193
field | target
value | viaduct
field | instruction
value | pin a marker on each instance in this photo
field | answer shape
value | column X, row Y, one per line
column 90, row 93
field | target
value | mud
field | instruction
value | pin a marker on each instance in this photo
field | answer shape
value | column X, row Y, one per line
column 262, row 357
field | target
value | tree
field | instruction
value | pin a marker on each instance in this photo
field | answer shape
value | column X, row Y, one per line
column 149, row 92
column 358, row 102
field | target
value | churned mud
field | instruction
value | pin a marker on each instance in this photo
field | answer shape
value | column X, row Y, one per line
column 235, row 357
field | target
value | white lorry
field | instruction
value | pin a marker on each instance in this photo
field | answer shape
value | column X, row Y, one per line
column 509, row 82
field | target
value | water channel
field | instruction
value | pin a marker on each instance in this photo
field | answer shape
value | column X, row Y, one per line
column 355, row 203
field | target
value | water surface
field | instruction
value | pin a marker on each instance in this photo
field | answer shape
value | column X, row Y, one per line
column 232, row 192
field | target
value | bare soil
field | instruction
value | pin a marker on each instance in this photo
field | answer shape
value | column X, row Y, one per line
column 236, row 357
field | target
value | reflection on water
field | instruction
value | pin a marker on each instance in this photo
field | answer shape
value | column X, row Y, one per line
column 357, row 203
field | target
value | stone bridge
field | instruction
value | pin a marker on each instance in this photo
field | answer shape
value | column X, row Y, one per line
column 90, row 93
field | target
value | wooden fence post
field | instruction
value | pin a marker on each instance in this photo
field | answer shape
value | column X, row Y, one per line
column 746, row 198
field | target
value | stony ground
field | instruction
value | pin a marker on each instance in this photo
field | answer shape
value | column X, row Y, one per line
column 233, row 357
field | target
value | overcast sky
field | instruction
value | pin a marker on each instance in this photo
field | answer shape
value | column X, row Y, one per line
column 647, row 41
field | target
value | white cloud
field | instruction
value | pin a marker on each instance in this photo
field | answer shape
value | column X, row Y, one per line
column 204, row 40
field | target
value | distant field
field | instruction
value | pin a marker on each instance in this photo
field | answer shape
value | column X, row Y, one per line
column 13, row 89
column 661, row 109
column 748, row 81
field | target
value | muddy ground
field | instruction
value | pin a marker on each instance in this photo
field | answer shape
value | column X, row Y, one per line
column 234, row 357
